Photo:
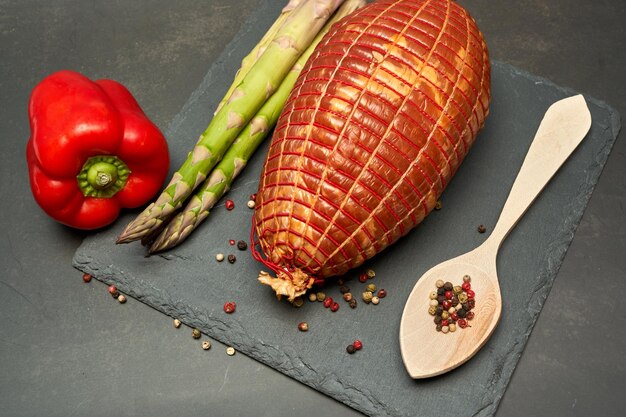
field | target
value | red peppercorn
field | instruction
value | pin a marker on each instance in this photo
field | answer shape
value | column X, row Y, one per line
column 334, row 307
column 444, row 322
column 230, row 204
column 466, row 286
column 470, row 315
column 328, row 301
column 253, row 197
column 232, row 242
column 446, row 304
column 229, row 307
column 462, row 323
column 357, row 344
column 363, row 277
column 112, row 289
column 449, row 295
column 470, row 294
column 86, row 277
column 454, row 316
column 382, row 293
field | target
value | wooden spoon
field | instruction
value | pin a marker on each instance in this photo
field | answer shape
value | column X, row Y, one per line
column 425, row 351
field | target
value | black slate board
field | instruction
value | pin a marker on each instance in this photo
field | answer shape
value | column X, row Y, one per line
column 187, row 282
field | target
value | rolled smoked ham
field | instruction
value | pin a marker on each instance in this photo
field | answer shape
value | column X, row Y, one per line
column 378, row 123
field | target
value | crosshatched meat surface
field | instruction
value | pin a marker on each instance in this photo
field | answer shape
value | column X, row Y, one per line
column 378, row 123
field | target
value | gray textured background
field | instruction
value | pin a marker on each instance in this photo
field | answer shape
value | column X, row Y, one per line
column 69, row 348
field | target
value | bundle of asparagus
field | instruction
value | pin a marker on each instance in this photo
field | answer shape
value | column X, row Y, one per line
column 242, row 120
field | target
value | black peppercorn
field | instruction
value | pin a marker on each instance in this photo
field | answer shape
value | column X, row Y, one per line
column 482, row 229
column 466, row 307
column 461, row 313
column 352, row 303
column 441, row 291
column 437, row 319
column 439, row 310
column 471, row 303
column 440, row 298
column 454, row 301
column 343, row 289
column 232, row 259
column 351, row 349
column 439, row 327
column 242, row 245
column 448, row 286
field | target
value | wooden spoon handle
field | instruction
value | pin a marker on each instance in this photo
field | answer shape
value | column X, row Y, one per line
column 563, row 127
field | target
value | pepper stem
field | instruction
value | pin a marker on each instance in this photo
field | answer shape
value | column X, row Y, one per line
column 102, row 176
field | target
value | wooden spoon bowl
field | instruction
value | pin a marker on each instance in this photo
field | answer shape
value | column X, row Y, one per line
column 447, row 351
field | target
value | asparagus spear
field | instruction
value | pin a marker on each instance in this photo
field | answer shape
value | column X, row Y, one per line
column 248, row 61
column 256, row 87
column 237, row 156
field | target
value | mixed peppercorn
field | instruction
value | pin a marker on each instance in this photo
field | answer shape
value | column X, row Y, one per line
column 452, row 305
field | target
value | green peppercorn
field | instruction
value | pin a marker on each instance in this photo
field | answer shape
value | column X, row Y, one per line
column 367, row 296
column 370, row 273
column 432, row 310
column 445, row 315
column 195, row 333
column 438, row 205
column 462, row 298
column 320, row 296
column 298, row 302
column 371, row 287
column 448, row 286
column 457, row 289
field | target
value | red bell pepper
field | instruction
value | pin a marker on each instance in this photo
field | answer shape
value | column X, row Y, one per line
column 92, row 150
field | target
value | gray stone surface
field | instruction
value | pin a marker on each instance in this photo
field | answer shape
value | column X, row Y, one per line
column 68, row 349
column 188, row 283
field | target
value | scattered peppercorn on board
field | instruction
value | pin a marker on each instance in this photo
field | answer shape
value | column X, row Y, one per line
column 189, row 283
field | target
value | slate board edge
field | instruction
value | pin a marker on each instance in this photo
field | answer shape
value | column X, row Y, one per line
column 365, row 401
